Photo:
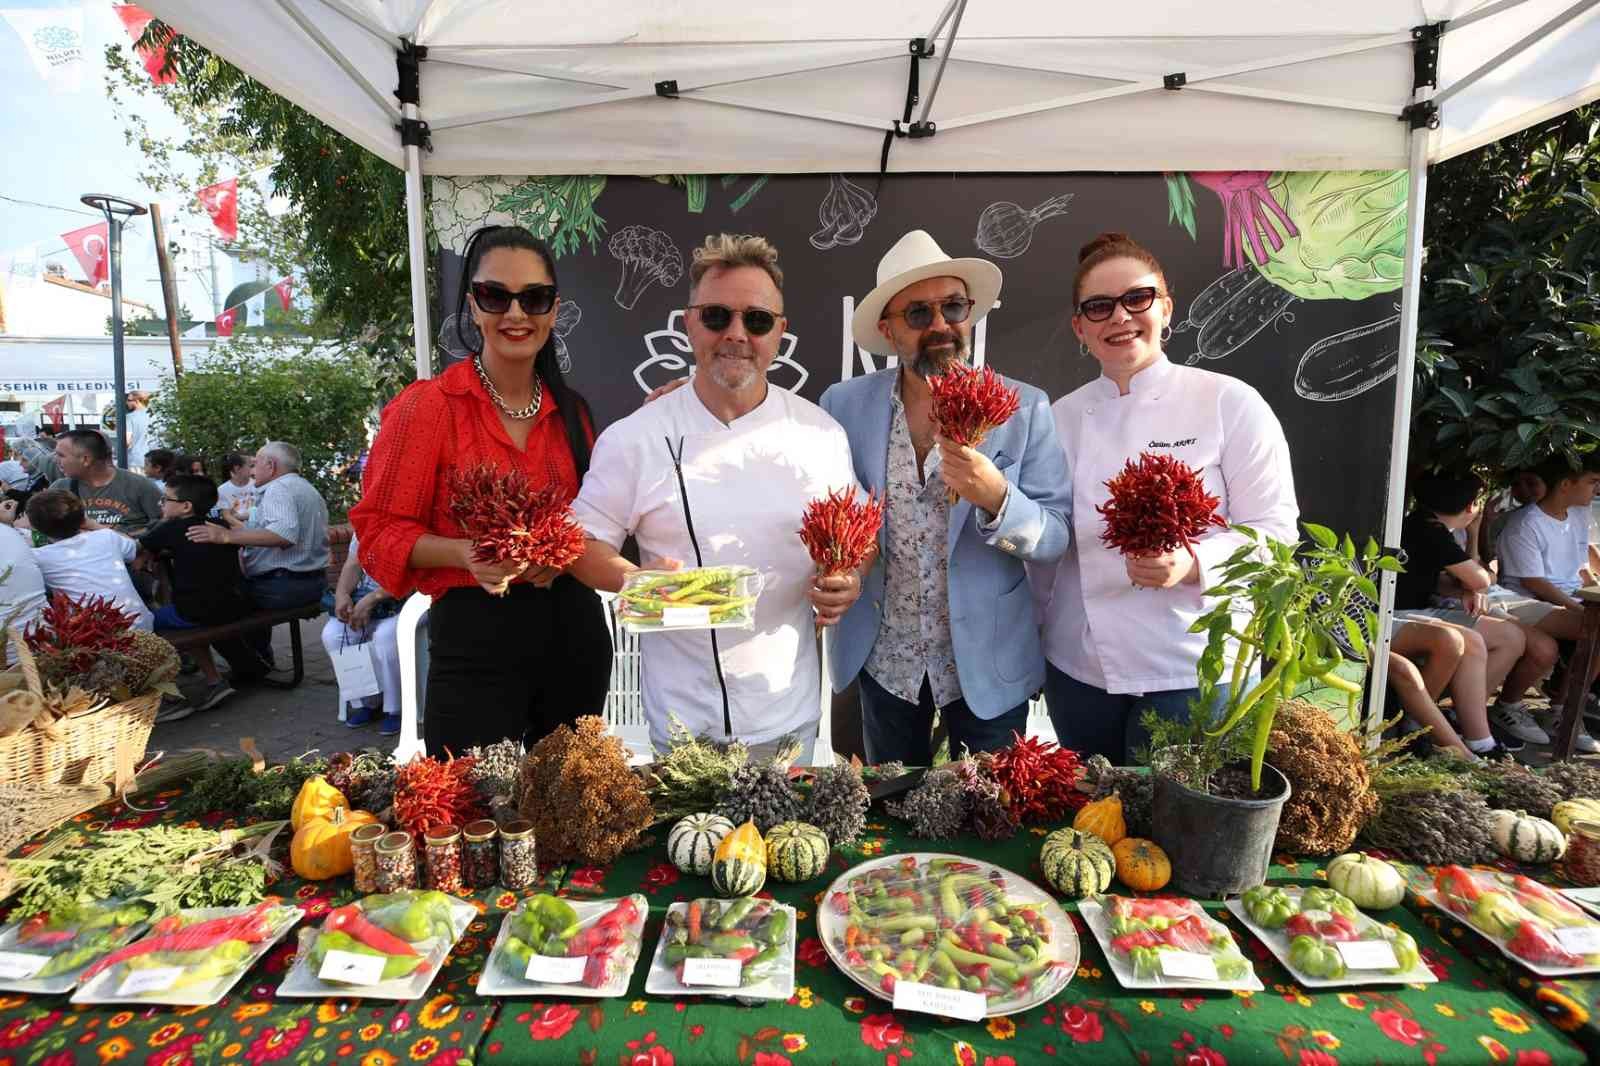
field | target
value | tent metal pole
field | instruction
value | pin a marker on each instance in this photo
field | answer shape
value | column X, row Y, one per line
column 417, row 247
column 1482, row 13
column 1400, row 430
column 944, row 16
column 1522, row 45
column 333, row 52
column 944, row 61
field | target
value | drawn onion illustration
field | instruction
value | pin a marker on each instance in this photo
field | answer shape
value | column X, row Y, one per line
column 1005, row 229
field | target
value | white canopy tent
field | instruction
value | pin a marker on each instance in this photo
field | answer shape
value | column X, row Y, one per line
column 692, row 86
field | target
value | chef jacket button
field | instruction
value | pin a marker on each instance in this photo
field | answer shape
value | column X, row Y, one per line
column 1008, row 546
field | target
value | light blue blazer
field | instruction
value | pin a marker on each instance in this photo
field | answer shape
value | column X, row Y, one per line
column 993, row 629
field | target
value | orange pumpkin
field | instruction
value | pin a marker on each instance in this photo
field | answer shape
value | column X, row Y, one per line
column 321, row 847
column 316, row 799
column 1103, row 818
column 1141, row 864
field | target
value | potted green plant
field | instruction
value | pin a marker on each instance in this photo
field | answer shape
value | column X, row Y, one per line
column 1287, row 609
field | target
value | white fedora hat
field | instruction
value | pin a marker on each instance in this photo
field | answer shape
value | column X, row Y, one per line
column 917, row 257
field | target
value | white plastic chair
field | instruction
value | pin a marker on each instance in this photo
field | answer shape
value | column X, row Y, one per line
column 1039, row 724
column 413, row 675
column 625, row 697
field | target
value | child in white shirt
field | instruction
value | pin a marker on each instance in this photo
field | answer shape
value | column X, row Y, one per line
column 84, row 562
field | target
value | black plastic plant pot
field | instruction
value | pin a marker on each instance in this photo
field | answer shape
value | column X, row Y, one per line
column 1218, row 846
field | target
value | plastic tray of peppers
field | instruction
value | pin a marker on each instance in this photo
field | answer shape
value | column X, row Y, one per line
column 583, row 948
column 1325, row 941
column 950, row 922
column 380, row 947
column 188, row 959
column 1529, row 922
column 1167, row 943
column 44, row 953
column 707, row 597
column 742, row 948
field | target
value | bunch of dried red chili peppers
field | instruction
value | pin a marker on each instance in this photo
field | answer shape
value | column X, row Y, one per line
column 509, row 522
column 80, row 630
column 968, row 403
column 1037, row 779
column 430, row 794
column 839, row 530
column 1158, row 503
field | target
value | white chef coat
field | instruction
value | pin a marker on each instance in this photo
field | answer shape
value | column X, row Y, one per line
column 1098, row 627
column 748, row 484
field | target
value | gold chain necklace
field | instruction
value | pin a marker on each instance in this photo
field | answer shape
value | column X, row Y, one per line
column 521, row 414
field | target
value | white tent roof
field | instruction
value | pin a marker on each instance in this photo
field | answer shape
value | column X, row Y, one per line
column 515, row 86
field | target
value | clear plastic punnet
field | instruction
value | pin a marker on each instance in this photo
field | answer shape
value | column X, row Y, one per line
column 44, row 953
column 947, row 935
column 1167, row 943
column 557, row 947
column 387, row 946
column 1529, row 922
column 1326, row 941
column 743, row 948
column 707, row 597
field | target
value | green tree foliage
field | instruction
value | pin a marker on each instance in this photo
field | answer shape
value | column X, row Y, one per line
column 1508, row 361
column 253, row 390
column 348, row 203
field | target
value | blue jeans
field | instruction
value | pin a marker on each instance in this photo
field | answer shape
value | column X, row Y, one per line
column 276, row 590
column 167, row 617
column 1092, row 721
column 897, row 731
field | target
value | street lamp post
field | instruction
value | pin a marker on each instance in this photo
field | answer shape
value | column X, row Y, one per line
column 117, row 212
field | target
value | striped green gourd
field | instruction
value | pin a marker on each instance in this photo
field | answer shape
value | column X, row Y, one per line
column 739, row 867
column 1525, row 838
column 693, row 841
column 796, row 851
column 1078, row 864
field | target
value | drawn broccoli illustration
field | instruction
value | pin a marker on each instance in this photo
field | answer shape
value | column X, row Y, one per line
column 648, row 257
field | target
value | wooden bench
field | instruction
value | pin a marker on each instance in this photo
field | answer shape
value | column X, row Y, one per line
column 1578, row 669
column 199, row 637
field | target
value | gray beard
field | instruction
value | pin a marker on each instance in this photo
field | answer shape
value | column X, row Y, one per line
column 927, row 365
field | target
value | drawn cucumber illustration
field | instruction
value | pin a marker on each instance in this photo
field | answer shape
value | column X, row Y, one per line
column 1349, row 363
column 1213, row 296
column 1232, row 310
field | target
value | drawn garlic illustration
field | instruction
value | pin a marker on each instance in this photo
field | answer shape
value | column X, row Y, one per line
column 844, row 214
column 567, row 319
column 1005, row 229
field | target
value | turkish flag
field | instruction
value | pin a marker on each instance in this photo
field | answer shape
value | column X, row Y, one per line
column 221, row 202
column 56, row 412
column 225, row 322
column 92, row 246
column 134, row 20
column 284, row 288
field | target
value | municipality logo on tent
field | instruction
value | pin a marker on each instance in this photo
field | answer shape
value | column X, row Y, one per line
column 60, row 44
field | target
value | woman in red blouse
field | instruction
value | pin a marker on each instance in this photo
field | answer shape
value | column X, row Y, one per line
column 513, row 653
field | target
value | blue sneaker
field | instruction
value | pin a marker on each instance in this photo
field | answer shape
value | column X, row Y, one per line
column 390, row 726
column 356, row 717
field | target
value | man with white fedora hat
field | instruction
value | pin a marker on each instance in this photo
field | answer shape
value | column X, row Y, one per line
column 945, row 620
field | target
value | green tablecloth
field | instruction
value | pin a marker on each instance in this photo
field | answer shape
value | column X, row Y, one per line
column 1473, row 1015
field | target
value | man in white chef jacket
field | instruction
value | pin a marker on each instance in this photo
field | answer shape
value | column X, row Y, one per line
column 717, row 474
column 945, row 621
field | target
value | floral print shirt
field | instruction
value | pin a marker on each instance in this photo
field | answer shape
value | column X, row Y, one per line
column 914, row 636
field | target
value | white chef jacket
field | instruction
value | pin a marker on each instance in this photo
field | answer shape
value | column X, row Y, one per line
column 1098, row 627
column 748, row 484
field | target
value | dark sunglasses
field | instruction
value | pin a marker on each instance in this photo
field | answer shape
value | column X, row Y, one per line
column 758, row 321
column 495, row 299
column 919, row 315
column 1099, row 308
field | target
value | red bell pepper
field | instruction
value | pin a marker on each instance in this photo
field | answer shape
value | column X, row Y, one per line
column 1336, row 927
column 349, row 919
column 1143, row 938
column 1533, row 943
column 252, row 927
column 1126, row 907
column 1458, row 889
column 608, row 931
column 1190, row 934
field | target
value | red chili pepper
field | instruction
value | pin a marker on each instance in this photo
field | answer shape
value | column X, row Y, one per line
column 838, row 532
column 840, row 903
column 252, row 927
column 1157, row 504
column 508, row 521
column 349, row 919
column 695, row 912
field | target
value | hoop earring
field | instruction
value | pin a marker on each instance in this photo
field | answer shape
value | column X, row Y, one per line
column 1083, row 349
column 1166, row 333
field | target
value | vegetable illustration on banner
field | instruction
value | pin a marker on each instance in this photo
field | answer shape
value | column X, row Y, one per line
column 1250, row 214
column 1005, row 229
column 671, row 356
column 1232, row 310
column 648, row 257
column 1350, row 362
column 555, row 209
column 844, row 213
column 567, row 319
column 1348, row 235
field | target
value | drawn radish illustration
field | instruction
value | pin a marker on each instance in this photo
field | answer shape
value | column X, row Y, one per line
column 1250, row 214
column 844, row 213
column 1005, row 229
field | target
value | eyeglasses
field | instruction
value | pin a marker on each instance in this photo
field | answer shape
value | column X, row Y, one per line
column 170, row 499
column 758, row 321
column 919, row 315
column 1099, row 308
column 495, row 299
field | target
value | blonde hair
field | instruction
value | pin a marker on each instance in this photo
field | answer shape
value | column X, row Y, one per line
column 727, row 251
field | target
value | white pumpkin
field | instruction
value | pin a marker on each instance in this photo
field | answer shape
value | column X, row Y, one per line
column 1524, row 838
column 1370, row 883
column 1574, row 810
column 693, row 841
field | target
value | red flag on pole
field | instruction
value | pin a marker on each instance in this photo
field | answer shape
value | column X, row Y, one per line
column 134, row 20
column 225, row 322
column 92, row 247
column 56, row 412
column 284, row 288
column 221, row 202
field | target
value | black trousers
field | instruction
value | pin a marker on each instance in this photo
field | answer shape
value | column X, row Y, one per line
column 517, row 665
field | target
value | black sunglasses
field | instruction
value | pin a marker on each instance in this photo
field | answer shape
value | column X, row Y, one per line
column 1099, row 308
column 919, row 315
column 758, row 321
column 495, row 299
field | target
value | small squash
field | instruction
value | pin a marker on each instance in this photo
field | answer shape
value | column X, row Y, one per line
column 316, row 799
column 739, row 867
column 796, row 851
column 321, row 847
column 1582, row 809
column 1141, row 864
column 1077, row 864
column 1103, row 818
column 1524, row 838
column 693, row 841
column 1369, row 883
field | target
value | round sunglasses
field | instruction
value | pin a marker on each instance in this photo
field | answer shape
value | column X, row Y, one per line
column 495, row 299
column 1099, row 308
column 758, row 321
column 919, row 314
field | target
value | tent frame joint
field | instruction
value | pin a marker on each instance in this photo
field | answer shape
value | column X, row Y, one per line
column 414, row 133
column 1423, row 113
column 1174, row 82
column 922, row 47
column 408, row 58
column 919, row 130
column 667, row 89
column 1425, row 55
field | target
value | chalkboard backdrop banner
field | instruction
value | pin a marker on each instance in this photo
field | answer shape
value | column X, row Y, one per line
column 1287, row 280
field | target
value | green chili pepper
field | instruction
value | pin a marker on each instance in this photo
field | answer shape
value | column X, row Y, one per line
column 736, row 913
column 1268, row 906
